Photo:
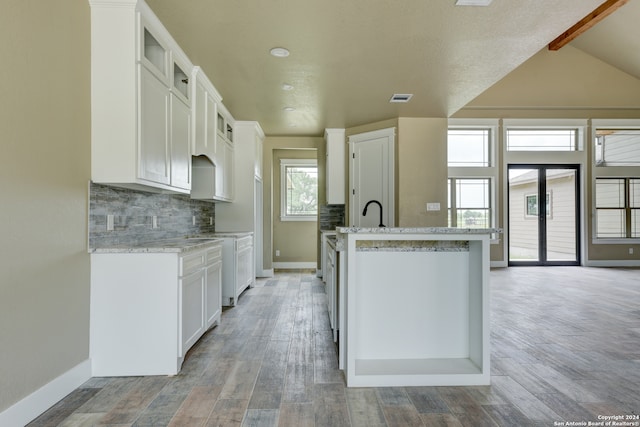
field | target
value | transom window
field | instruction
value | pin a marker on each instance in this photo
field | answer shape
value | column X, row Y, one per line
column 617, row 147
column 469, row 147
column 299, row 189
column 542, row 139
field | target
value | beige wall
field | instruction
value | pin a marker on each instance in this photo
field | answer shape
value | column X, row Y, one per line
column 44, row 175
column 422, row 171
column 564, row 84
column 297, row 241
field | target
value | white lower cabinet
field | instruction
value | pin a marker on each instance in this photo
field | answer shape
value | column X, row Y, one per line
column 238, row 270
column 149, row 308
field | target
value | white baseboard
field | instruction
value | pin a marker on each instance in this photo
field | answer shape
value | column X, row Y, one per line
column 294, row 265
column 498, row 264
column 264, row 273
column 29, row 408
column 613, row 263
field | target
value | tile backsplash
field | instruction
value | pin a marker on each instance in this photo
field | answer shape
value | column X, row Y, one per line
column 133, row 216
column 331, row 216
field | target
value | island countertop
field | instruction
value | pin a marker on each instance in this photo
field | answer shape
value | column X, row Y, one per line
column 416, row 230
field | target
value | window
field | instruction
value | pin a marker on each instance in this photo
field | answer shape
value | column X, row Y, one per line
column 542, row 139
column 299, row 189
column 469, row 147
column 617, row 147
column 531, row 205
column 617, row 208
column 470, row 202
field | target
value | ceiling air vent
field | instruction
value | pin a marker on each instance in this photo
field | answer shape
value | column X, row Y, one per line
column 401, row 97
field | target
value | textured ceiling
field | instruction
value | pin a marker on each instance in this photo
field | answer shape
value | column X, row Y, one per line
column 348, row 57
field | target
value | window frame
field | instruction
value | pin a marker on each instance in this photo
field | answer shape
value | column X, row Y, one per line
column 284, row 165
column 452, row 206
column 477, row 172
column 615, row 171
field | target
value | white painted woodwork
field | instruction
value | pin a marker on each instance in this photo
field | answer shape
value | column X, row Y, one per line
column 238, row 266
column 371, row 177
column 332, row 288
column 135, row 67
column 192, row 288
column 205, row 100
column 335, row 166
column 148, row 309
column 245, row 213
column 415, row 318
column 154, row 129
column 180, row 159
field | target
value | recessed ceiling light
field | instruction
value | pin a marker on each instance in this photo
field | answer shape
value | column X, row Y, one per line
column 279, row 52
column 401, row 97
column 473, row 2
column 289, row 109
column 287, row 86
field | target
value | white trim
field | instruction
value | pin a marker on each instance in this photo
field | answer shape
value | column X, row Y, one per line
column 498, row 264
column 544, row 123
column 617, row 123
column 612, row 263
column 265, row 273
column 295, row 265
column 29, row 408
column 284, row 163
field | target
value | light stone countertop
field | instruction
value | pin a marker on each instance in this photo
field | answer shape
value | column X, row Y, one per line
column 417, row 230
column 176, row 245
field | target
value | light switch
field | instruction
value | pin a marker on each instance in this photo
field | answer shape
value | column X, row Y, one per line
column 433, row 206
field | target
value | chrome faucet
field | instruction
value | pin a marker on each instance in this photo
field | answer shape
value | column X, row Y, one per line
column 364, row 212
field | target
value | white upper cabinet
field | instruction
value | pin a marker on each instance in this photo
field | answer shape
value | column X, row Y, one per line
column 335, row 166
column 140, row 100
column 205, row 100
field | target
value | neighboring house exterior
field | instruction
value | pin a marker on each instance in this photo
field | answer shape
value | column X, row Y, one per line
column 560, row 213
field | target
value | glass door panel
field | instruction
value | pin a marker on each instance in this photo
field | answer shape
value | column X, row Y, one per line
column 543, row 215
column 561, row 214
column 523, row 215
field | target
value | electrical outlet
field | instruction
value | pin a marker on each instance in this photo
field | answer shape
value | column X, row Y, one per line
column 630, row 251
column 109, row 222
column 193, row 220
column 154, row 222
column 433, row 206
column 277, row 252
column 210, row 220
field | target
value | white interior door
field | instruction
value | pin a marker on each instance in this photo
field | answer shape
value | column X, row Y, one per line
column 371, row 177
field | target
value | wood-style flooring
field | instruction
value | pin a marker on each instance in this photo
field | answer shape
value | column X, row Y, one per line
column 565, row 348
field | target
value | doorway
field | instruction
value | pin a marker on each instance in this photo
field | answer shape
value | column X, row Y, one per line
column 371, row 178
column 544, row 214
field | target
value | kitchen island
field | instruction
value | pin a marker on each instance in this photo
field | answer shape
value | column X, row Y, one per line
column 414, row 306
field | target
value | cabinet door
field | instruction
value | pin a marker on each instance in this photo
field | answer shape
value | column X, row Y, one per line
column 154, row 129
column 213, row 294
column 229, row 159
column 258, row 158
column 220, row 168
column 191, row 310
column 245, row 274
column 180, row 144
column 200, row 116
column 212, row 113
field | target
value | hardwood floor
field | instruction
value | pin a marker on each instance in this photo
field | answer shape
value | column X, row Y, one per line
column 565, row 347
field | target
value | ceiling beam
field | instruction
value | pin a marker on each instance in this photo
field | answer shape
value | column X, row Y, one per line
column 598, row 14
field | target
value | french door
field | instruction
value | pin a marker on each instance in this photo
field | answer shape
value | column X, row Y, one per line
column 544, row 214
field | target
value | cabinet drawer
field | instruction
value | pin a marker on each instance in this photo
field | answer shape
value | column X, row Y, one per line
column 214, row 254
column 244, row 242
column 192, row 262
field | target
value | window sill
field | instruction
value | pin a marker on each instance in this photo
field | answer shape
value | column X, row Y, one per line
column 299, row 218
column 621, row 241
